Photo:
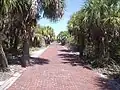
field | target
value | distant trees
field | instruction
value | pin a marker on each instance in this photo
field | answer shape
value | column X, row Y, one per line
column 43, row 34
column 63, row 37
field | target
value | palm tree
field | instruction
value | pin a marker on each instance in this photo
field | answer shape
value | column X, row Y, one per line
column 5, row 7
column 98, row 21
column 75, row 28
column 46, row 33
column 63, row 37
column 29, row 19
column 23, row 16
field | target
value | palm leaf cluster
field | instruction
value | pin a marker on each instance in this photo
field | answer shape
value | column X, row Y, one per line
column 63, row 37
column 43, row 36
column 96, row 29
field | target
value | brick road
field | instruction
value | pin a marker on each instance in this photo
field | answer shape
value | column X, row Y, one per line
column 56, row 71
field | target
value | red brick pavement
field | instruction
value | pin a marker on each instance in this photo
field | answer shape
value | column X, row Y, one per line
column 56, row 75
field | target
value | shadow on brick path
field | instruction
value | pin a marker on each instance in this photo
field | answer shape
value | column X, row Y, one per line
column 39, row 61
column 74, row 60
column 70, row 58
column 102, row 83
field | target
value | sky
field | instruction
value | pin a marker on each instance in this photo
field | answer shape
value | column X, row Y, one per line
column 72, row 6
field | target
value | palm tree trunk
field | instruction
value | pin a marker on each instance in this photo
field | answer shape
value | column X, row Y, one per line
column 16, row 42
column 25, row 59
column 3, row 61
column 81, row 42
column 11, row 42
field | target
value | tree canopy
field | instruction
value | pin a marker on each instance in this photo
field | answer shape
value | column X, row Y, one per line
column 18, row 21
column 96, row 30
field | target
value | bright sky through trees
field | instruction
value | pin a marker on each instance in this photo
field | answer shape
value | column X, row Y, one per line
column 71, row 7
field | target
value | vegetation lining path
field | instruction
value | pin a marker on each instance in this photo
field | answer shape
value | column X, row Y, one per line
column 55, row 70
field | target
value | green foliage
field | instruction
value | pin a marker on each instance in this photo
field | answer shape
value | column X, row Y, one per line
column 51, row 9
column 63, row 37
column 18, row 20
column 43, row 34
column 95, row 29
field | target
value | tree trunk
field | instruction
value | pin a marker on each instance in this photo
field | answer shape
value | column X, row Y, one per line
column 25, row 60
column 81, row 40
column 11, row 41
column 16, row 42
column 3, row 61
